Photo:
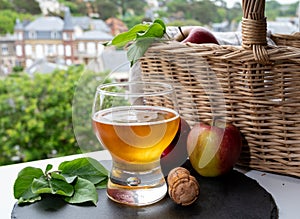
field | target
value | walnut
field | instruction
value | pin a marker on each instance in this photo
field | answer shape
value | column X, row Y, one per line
column 183, row 188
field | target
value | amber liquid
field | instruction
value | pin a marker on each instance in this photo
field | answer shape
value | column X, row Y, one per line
column 136, row 134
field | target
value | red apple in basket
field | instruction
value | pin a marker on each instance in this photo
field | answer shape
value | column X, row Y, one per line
column 195, row 34
column 176, row 153
column 214, row 149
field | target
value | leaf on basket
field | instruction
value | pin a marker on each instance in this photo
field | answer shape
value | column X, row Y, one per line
column 141, row 36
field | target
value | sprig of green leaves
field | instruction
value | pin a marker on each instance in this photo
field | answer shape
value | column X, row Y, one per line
column 75, row 181
column 141, row 36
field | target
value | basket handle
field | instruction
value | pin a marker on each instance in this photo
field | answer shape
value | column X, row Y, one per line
column 254, row 29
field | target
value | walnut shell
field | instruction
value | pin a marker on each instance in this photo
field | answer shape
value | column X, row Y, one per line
column 183, row 188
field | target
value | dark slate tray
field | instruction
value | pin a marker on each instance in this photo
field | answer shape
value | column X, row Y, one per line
column 234, row 196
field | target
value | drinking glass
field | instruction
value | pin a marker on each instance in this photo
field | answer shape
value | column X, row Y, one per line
column 135, row 122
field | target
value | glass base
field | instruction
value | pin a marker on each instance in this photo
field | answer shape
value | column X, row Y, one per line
column 136, row 184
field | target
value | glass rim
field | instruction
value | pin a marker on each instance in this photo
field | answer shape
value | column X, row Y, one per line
column 167, row 88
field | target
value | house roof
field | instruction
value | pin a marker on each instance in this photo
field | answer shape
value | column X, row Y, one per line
column 68, row 24
column 87, row 23
column 46, row 24
column 98, row 24
column 114, row 61
column 95, row 35
column 82, row 22
column 18, row 25
column 43, row 66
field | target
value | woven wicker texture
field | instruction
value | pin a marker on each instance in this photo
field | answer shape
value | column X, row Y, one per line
column 255, row 86
column 287, row 39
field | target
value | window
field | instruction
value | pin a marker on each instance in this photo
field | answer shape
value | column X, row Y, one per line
column 4, row 49
column 20, row 36
column 46, row 50
column 54, row 35
column 19, row 51
column 60, row 49
column 91, row 48
column 81, row 47
column 39, row 51
column 52, row 50
column 68, row 50
column 32, row 35
column 28, row 50
column 66, row 36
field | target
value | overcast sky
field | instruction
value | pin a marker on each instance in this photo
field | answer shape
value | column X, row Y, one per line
column 230, row 3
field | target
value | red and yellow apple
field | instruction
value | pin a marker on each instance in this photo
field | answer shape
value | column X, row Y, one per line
column 214, row 150
column 195, row 34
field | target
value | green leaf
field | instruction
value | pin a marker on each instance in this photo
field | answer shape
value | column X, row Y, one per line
column 155, row 30
column 32, row 199
column 40, row 185
column 84, row 191
column 85, row 173
column 142, row 36
column 138, row 49
column 123, row 38
column 162, row 24
column 55, row 175
column 22, row 185
column 86, row 168
column 48, row 168
column 52, row 186
column 102, row 184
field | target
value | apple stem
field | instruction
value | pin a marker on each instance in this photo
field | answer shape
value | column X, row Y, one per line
column 180, row 30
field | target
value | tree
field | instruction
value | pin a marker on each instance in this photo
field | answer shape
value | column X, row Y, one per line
column 8, row 19
column 106, row 9
column 119, row 8
column 203, row 11
column 36, row 115
column 6, row 24
column 28, row 6
column 235, row 13
column 4, row 4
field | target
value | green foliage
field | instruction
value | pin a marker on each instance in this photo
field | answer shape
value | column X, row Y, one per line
column 28, row 6
column 36, row 115
column 18, row 68
column 86, row 175
column 274, row 9
column 5, row 4
column 6, row 24
column 202, row 11
column 107, row 8
column 142, row 36
column 8, row 19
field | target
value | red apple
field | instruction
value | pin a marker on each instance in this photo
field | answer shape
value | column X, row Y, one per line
column 196, row 34
column 176, row 153
column 214, row 150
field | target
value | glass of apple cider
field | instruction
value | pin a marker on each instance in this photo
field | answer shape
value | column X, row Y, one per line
column 135, row 122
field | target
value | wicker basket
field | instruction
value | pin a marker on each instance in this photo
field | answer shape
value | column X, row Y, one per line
column 255, row 86
column 287, row 39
